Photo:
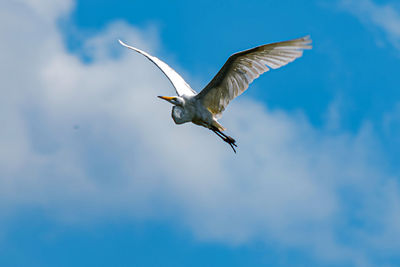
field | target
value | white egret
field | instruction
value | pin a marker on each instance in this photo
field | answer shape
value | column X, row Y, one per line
column 232, row 80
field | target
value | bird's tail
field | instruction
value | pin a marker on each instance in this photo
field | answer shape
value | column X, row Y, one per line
column 218, row 126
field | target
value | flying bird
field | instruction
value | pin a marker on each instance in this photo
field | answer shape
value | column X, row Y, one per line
column 232, row 80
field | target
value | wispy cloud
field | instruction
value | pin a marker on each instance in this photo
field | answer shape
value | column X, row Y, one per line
column 384, row 17
column 92, row 141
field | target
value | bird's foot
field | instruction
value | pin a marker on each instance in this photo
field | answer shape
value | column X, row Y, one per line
column 226, row 138
column 231, row 142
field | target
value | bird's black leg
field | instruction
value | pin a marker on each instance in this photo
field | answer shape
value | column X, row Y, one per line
column 225, row 137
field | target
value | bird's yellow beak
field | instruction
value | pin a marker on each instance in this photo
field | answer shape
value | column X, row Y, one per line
column 168, row 98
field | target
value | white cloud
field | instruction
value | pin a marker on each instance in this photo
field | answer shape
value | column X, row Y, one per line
column 92, row 141
column 385, row 17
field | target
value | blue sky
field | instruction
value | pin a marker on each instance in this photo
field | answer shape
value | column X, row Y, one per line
column 93, row 172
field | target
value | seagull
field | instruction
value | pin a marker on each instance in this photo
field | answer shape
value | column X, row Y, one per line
column 241, row 69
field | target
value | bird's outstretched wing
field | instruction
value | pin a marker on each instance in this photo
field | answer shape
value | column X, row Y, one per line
column 181, row 87
column 243, row 67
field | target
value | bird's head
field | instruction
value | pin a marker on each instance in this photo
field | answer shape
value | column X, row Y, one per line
column 174, row 100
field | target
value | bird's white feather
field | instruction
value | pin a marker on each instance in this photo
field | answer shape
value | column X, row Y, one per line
column 243, row 67
column 181, row 87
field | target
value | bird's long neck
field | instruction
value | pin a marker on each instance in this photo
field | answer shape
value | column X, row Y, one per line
column 180, row 115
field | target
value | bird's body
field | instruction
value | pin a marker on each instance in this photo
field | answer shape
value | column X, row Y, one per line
column 194, row 111
column 232, row 80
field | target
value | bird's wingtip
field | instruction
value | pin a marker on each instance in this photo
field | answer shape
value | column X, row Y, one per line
column 306, row 38
column 122, row 43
